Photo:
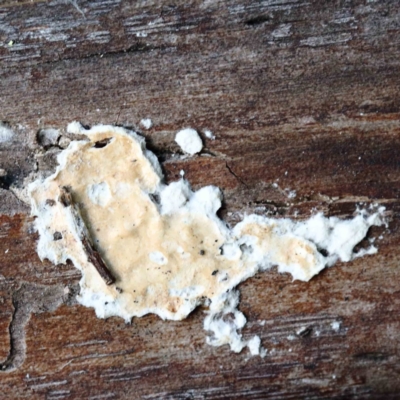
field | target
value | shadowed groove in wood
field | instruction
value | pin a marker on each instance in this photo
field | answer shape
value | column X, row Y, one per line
column 28, row 299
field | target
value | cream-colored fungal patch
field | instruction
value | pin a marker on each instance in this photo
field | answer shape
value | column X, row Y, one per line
column 164, row 245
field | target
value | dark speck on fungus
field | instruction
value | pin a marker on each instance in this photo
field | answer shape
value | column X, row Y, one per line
column 57, row 236
column 102, row 143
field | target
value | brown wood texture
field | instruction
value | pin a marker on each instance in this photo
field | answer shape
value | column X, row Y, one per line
column 301, row 93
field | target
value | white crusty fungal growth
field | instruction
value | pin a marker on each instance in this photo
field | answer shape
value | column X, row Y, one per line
column 6, row 134
column 189, row 141
column 209, row 134
column 146, row 247
column 147, row 123
column 48, row 137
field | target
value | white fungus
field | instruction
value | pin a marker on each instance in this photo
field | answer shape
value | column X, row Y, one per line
column 6, row 134
column 189, row 141
column 147, row 123
column 64, row 142
column 165, row 243
column 209, row 134
column 158, row 258
column 335, row 325
column 48, row 137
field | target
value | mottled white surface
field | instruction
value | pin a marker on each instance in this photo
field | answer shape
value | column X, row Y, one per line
column 99, row 193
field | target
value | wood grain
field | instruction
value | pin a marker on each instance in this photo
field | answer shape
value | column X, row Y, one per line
column 302, row 94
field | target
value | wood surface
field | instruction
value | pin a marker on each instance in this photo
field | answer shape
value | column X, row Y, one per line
column 300, row 93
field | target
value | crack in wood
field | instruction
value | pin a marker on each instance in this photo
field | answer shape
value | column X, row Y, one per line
column 236, row 176
column 31, row 298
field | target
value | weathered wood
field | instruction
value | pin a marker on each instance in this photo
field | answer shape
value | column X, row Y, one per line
column 303, row 94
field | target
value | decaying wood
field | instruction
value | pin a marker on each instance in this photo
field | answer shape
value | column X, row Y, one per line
column 93, row 255
column 300, row 96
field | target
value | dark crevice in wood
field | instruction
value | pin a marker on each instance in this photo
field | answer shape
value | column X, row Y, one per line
column 306, row 331
column 261, row 19
column 236, row 176
column 17, row 352
column 28, row 299
column 209, row 153
column 371, row 356
column 6, row 181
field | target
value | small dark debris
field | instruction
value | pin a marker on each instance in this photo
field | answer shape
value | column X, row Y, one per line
column 304, row 332
column 245, row 248
column 65, row 197
column 118, row 289
column 57, row 236
column 371, row 356
column 202, row 252
column 215, row 272
column 323, row 252
column 155, row 198
column 50, row 202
